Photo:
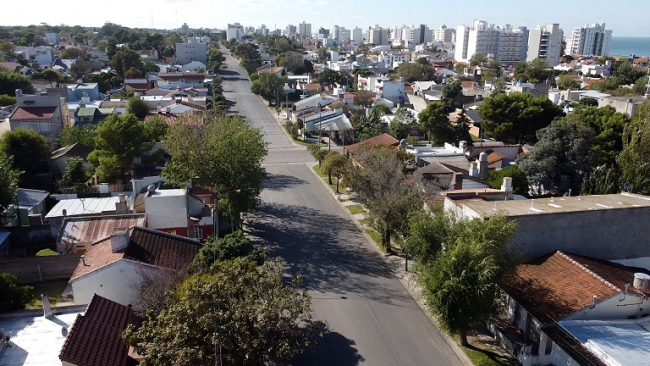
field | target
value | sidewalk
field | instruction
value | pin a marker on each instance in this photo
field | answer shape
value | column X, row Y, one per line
column 396, row 263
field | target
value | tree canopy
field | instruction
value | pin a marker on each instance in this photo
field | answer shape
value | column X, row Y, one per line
column 14, row 297
column 435, row 122
column 633, row 159
column 137, row 107
column 519, row 179
column 8, row 188
column 268, row 85
column 515, row 118
column 125, row 59
column 414, row 71
column 224, row 152
column 240, row 314
column 30, row 152
column 10, row 81
column 84, row 135
column 560, row 160
column 118, row 141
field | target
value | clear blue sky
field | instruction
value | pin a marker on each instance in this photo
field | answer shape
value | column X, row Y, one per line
column 625, row 18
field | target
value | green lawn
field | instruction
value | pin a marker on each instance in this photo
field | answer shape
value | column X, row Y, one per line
column 299, row 140
column 356, row 209
column 376, row 238
column 480, row 357
column 53, row 289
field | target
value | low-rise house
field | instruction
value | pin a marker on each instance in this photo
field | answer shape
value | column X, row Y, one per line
column 179, row 80
column 335, row 127
column 84, row 207
column 116, row 267
column 45, row 114
column 59, row 158
column 77, row 234
column 195, row 65
column 96, row 336
column 608, row 227
column 383, row 140
column 79, row 90
column 41, row 54
column 136, row 85
column 175, row 211
column 31, row 206
column 564, row 309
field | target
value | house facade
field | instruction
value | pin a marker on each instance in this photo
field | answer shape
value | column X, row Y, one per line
column 45, row 114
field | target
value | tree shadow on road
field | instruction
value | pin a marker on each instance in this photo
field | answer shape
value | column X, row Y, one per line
column 278, row 182
column 327, row 250
column 333, row 349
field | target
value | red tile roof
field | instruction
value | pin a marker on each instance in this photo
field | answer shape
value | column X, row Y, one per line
column 146, row 246
column 494, row 157
column 141, row 87
column 181, row 75
column 274, row 70
column 640, row 60
column 32, row 113
column 382, row 140
column 467, row 83
column 313, row 87
column 96, row 337
column 560, row 284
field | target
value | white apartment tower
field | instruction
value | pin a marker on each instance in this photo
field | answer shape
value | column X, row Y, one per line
column 357, row 35
column 304, row 29
column 506, row 44
column 377, row 35
column 592, row 39
column 444, row 34
column 545, row 41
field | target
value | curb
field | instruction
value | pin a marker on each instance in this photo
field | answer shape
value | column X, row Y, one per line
column 402, row 279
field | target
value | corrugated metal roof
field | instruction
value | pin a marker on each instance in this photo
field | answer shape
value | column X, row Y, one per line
column 86, row 230
column 84, row 206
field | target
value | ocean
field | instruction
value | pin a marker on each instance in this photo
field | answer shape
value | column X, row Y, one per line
column 626, row 46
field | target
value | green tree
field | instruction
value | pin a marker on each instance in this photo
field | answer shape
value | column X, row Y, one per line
column 379, row 179
column 231, row 246
column 450, row 91
column 10, row 81
column 330, row 77
column 28, row 39
column 608, row 126
column 30, row 152
column 7, row 48
column 628, row 73
column 519, row 179
column 292, row 61
column 428, row 231
column 568, row 82
column 6, row 100
column 403, row 123
column 73, row 53
column 252, row 314
column 8, row 189
column 535, row 71
column 74, row 174
column 80, row 69
column 118, row 141
column 461, row 283
column 335, row 164
column 367, row 126
column 13, row 297
column 478, row 59
column 604, row 179
column 137, row 107
column 560, row 160
column 364, row 98
column 641, row 85
column 155, row 128
column 413, row 71
column 461, row 129
column 435, row 122
column 84, row 135
column 633, row 159
column 124, row 59
column 224, row 153
column 515, row 118
column 149, row 66
column 268, row 86
column 215, row 60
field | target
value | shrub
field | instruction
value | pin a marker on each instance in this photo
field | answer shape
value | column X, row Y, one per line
column 13, row 297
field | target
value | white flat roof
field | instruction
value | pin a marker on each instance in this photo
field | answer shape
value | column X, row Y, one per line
column 169, row 193
column 83, row 206
column 35, row 340
column 617, row 342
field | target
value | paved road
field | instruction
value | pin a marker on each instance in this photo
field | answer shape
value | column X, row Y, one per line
column 373, row 319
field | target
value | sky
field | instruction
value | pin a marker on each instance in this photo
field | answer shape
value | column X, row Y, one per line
column 627, row 20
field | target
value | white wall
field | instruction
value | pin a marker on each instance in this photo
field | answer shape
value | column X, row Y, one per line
column 166, row 211
column 117, row 282
column 614, row 308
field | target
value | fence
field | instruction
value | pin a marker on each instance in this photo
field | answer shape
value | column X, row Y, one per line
column 38, row 269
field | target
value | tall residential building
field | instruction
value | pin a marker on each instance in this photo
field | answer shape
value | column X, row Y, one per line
column 357, row 35
column 290, row 31
column 506, row 44
column 592, row 39
column 345, row 35
column 235, row 31
column 323, row 33
column 336, row 34
column 377, row 35
column 185, row 29
column 193, row 51
column 444, row 34
column 545, row 41
column 304, row 29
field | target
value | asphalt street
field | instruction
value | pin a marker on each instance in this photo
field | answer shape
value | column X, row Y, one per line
column 373, row 319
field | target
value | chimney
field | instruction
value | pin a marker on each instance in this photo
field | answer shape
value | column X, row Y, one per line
column 507, row 185
column 482, row 166
column 19, row 93
column 473, row 169
column 119, row 239
column 47, row 309
column 158, row 109
column 458, row 181
column 121, row 207
column 80, row 81
column 641, row 281
column 462, row 145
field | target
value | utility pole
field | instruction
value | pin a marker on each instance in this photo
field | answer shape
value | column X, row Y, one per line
column 320, row 125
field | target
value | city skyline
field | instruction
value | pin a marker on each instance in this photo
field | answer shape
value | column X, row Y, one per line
column 171, row 14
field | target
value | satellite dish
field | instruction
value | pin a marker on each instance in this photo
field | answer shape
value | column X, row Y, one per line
column 627, row 186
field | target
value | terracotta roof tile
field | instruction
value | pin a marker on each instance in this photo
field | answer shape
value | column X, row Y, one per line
column 181, row 75
column 146, row 246
column 32, row 113
column 559, row 284
column 382, row 140
column 96, row 337
column 494, row 157
column 468, row 83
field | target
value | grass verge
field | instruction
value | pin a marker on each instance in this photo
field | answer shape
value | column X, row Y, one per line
column 356, row 209
column 376, row 238
column 53, row 289
column 299, row 140
column 324, row 177
column 481, row 357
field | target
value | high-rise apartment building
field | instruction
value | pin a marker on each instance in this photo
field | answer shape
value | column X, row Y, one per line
column 444, row 34
column 545, row 41
column 357, row 35
column 420, row 34
column 377, row 35
column 344, row 35
column 506, row 44
column 592, row 39
column 304, row 30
